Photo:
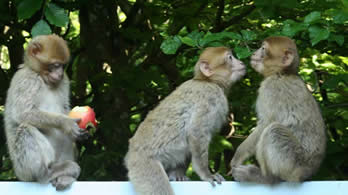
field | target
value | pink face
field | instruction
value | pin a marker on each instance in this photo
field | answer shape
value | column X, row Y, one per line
column 258, row 57
column 237, row 67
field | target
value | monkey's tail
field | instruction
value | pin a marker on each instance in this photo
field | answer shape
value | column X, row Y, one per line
column 147, row 175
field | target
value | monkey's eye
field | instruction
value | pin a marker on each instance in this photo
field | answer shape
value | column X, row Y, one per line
column 55, row 65
column 230, row 57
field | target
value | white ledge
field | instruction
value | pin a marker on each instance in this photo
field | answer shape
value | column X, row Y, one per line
column 180, row 188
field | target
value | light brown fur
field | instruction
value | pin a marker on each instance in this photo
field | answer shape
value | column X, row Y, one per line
column 180, row 128
column 40, row 135
column 289, row 140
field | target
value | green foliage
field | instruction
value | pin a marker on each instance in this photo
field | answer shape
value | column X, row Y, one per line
column 27, row 8
column 129, row 55
column 312, row 17
column 41, row 28
column 291, row 28
column 317, row 34
column 171, row 45
column 56, row 15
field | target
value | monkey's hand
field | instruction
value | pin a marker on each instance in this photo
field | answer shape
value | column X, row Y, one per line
column 244, row 173
column 234, row 163
column 214, row 177
column 71, row 127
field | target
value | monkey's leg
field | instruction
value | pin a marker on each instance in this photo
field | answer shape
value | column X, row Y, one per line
column 147, row 175
column 32, row 154
column 246, row 149
column 64, row 174
column 281, row 155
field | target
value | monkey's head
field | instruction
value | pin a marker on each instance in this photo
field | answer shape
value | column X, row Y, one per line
column 217, row 64
column 47, row 55
column 277, row 54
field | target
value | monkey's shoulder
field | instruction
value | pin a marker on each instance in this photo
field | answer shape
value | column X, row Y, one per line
column 200, row 89
column 25, row 81
column 287, row 97
column 283, row 86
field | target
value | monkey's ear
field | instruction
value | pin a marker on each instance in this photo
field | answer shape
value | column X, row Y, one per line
column 35, row 48
column 288, row 58
column 205, row 69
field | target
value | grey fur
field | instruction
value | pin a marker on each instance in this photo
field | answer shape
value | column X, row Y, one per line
column 178, row 131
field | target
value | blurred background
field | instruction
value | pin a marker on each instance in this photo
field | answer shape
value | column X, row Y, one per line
column 127, row 55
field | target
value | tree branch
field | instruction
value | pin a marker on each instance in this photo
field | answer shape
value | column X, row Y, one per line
column 234, row 20
column 219, row 13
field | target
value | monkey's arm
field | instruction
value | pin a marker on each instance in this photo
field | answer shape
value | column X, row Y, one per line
column 247, row 148
column 26, row 95
column 44, row 120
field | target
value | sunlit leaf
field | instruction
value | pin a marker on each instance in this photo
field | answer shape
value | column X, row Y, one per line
column 171, row 45
column 56, row 15
column 41, row 28
column 27, row 8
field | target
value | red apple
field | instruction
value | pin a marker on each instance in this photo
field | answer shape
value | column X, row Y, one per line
column 86, row 114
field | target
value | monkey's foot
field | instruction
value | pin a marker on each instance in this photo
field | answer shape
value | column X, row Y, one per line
column 178, row 178
column 177, row 175
column 215, row 177
column 62, row 182
column 244, row 173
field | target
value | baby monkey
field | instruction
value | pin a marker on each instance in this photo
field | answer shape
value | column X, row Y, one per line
column 40, row 135
column 289, row 140
column 180, row 128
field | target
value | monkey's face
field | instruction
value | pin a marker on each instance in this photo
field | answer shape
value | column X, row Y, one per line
column 217, row 64
column 237, row 67
column 53, row 73
column 276, row 55
column 257, row 59
column 47, row 55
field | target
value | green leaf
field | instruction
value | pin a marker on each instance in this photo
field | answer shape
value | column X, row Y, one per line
column 41, row 28
column 345, row 3
column 188, row 41
column 171, row 45
column 318, row 34
column 212, row 37
column 242, row 52
column 196, row 36
column 339, row 39
column 291, row 28
column 340, row 16
column 248, row 35
column 27, row 8
column 312, row 17
column 56, row 15
column 333, row 81
column 290, row 4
